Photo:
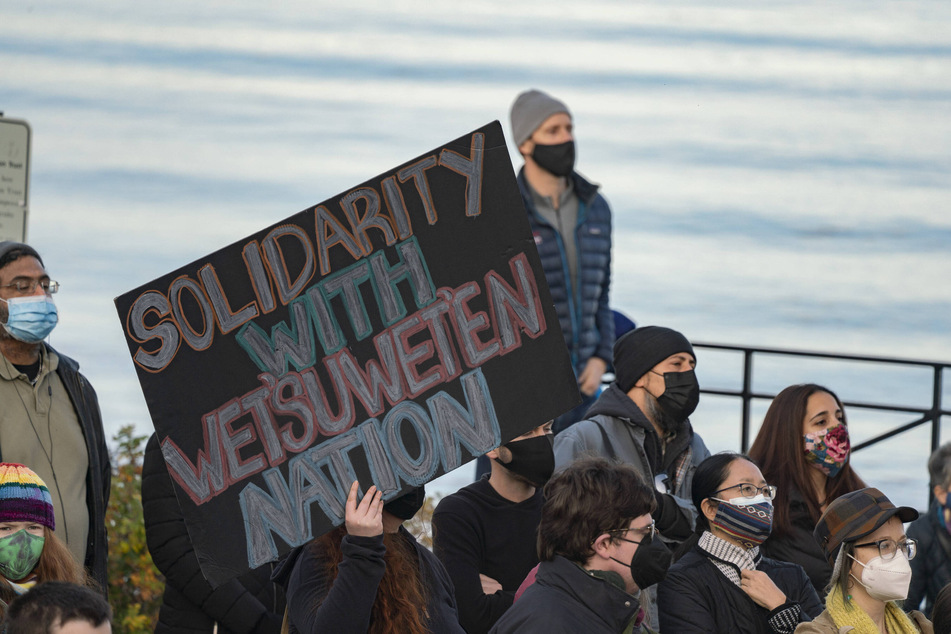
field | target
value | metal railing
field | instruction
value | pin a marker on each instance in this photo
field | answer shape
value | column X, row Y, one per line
column 922, row 415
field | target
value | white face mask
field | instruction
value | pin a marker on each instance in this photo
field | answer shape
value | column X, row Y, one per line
column 886, row 580
column 742, row 501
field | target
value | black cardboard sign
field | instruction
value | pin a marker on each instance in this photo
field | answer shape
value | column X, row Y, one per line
column 389, row 334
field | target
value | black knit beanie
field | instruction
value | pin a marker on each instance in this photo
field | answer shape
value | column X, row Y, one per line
column 641, row 349
column 8, row 246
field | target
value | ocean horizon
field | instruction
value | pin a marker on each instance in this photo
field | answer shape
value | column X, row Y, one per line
column 779, row 174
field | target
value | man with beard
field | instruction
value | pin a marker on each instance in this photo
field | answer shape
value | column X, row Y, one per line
column 641, row 419
column 49, row 413
column 484, row 534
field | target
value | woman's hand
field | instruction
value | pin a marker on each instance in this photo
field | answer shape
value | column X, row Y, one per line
column 759, row 587
column 364, row 519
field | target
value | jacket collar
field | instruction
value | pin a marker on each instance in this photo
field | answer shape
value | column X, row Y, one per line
column 609, row 603
column 584, row 189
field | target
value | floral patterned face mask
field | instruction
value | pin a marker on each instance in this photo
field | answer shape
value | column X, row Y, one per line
column 827, row 450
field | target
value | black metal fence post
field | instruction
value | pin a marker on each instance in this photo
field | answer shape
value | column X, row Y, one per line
column 747, row 399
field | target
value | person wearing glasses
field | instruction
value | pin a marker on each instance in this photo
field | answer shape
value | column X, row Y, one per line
column 724, row 583
column 599, row 550
column 803, row 448
column 49, row 413
column 861, row 535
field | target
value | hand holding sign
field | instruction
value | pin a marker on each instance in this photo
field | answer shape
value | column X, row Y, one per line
column 365, row 520
column 388, row 335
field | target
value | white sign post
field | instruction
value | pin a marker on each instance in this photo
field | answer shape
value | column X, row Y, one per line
column 14, row 178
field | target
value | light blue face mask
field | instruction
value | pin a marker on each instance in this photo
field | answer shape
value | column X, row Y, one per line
column 30, row 319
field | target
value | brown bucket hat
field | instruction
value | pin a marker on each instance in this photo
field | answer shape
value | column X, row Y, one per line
column 855, row 515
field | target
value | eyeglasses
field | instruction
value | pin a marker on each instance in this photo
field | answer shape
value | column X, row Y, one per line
column 888, row 547
column 28, row 287
column 748, row 490
column 647, row 531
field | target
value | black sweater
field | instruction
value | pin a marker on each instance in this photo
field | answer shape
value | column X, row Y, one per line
column 477, row 531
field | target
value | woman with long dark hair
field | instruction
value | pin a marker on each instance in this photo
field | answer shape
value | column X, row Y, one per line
column 369, row 575
column 803, row 449
column 724, row 584
column 30, row 552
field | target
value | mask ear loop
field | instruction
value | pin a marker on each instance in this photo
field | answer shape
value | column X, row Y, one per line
column 837, row 568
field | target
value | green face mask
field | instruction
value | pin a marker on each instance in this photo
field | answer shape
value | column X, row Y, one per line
column 19, row 554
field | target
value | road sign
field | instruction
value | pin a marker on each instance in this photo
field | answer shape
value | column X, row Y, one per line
column 15, row 138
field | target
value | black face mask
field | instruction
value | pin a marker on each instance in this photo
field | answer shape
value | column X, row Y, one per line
column 406, row 506
column 532, row 458
column 681, row 395
column 559, row 159
column 650, row 562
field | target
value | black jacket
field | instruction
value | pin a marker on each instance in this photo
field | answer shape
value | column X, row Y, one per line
column 567, row 599
column 343, row 605
column 250, row 603
column 696, row 597
column 99, row 476
column 799, row 546
column 931, row 567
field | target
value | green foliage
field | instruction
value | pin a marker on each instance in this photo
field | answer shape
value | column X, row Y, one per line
column 135, row 585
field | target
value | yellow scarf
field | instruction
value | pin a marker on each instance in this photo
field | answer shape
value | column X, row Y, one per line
column 896, row 621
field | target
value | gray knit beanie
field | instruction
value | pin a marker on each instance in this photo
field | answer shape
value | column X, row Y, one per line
column 529, row 110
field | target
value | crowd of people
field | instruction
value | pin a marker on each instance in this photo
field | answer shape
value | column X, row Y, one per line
column 621, row 520
column 614, row 517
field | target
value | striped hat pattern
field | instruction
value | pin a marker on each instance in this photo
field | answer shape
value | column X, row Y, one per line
column 24, row 496
column 855, row 515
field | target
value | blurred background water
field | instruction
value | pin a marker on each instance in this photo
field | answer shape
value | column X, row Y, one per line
column 779, row 172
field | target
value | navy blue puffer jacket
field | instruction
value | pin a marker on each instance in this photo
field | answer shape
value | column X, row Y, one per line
column 585, row 317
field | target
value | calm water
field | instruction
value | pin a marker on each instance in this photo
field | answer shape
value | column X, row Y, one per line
column 779, row 172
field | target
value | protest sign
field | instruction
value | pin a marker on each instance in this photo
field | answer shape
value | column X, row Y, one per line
column 389, row 334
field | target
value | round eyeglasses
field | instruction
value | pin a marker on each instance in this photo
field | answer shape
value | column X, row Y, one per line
column 888, row 547
column 748, row 490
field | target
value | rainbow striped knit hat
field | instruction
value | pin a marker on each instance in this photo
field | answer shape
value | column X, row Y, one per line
column 24, row 496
